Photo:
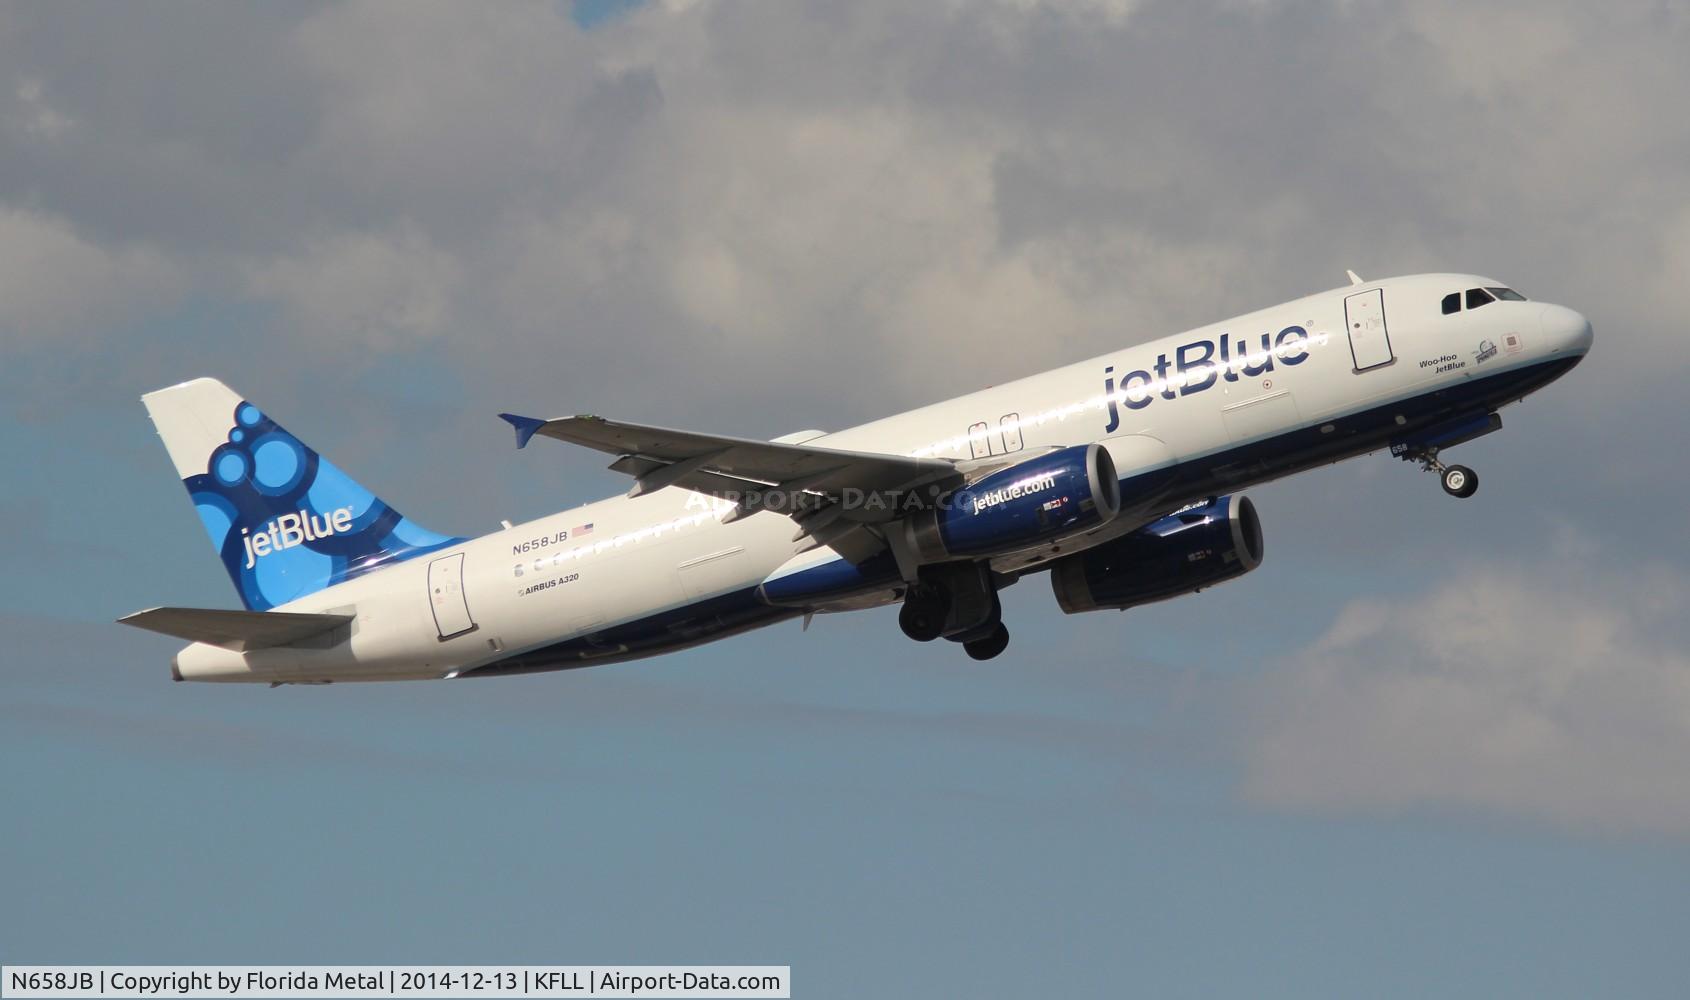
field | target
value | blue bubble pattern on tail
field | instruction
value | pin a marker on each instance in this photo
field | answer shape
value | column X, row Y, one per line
column 288, row 523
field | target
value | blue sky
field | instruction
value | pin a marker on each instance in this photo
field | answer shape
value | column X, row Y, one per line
column 1428, row 748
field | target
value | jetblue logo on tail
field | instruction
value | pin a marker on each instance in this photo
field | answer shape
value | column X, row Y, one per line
column 293, row 529
column 284, row 521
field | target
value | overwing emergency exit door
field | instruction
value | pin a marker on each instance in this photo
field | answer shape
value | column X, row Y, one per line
column 1370, row 341
column 446, row 596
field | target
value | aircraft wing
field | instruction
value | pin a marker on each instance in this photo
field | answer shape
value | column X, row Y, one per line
column 237, row 630
column 730, row 466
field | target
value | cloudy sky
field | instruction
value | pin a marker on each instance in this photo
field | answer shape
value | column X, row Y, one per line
column 1429, row 747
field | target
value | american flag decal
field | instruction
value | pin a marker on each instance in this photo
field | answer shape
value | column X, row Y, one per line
column 581, row 529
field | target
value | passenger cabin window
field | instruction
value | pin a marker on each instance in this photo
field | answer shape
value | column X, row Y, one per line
column 1452, row 303
column 1506, row 294
column 1477, row 297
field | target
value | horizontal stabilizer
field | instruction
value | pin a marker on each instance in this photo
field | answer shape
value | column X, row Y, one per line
column 237, row 630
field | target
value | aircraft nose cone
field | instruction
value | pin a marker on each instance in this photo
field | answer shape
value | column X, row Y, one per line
column 1565, row 330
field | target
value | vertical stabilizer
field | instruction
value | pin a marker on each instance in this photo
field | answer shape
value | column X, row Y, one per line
column 286, row 522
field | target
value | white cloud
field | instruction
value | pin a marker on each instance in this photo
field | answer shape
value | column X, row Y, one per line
column 1551, row 691
column 379, row 289
column 928, row 185
column 38, row 116
column 54, row 283
column 435, row 97
column 909, row 199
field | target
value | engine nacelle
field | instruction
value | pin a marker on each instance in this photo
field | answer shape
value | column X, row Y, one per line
column 1075, row 489
column 1188, row 550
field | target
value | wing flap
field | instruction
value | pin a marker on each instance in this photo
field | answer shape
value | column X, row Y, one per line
column 240, row 631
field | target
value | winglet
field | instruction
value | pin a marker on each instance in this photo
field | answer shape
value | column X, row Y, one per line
column 525, row 427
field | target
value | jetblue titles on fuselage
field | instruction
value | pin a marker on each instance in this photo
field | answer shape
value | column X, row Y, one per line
column 1196, row 366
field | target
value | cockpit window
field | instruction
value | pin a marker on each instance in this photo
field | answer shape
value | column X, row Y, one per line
column 1477, row 297
column 1506, row 294
column 1452, row 303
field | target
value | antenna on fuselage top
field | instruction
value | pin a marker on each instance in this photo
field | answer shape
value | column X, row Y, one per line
column 1355, row 279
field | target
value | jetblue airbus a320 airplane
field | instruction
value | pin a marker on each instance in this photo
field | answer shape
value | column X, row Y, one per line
column 1118, row 476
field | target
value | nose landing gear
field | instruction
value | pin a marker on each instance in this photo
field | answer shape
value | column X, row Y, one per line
column 1458, row 480
column 1422, row 447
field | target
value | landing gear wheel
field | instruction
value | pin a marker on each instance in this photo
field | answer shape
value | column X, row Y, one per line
column 1457, row 480
column 923, row 614
column 989, row 646
column 1460, row 481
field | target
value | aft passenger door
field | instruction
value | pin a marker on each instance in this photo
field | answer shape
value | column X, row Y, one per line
column 1370, row 341
column 446, row 597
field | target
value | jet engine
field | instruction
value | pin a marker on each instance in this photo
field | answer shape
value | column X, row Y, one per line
column 1060, row 493
column 1199, row 546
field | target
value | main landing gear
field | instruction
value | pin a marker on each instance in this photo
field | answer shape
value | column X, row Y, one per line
column 988, row 645
column 924, row 611
column 1458, row 480
column 959, row 602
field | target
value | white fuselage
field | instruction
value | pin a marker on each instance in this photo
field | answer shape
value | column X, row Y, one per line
column 1334, row 381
